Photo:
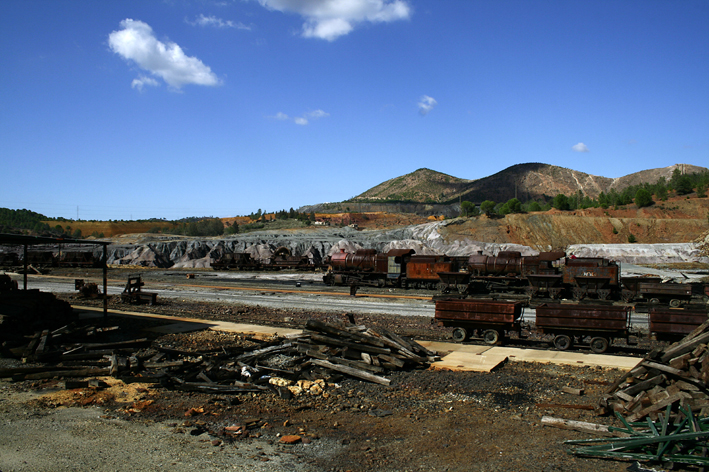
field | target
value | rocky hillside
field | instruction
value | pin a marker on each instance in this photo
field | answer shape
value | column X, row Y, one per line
column 672, row 231
column 525, row 181
column 423, row 185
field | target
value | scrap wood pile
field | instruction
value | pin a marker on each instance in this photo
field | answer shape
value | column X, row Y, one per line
column 293, row 365
column 656, row 403
column 24, row 311
column 676, row 376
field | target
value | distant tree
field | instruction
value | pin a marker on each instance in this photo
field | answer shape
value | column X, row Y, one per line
column 514, row 205
column 534, row 206
column 561, row 202
column 701, row 191
column 233, row 229
column 631, row 239
column 683, row 185
column 643, row 198
column 487, row 207
column 467, row 208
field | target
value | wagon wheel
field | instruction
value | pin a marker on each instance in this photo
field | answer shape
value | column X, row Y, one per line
column 674, row 303
column 627, row 295
column 579, row 293
column 599, row 345
column 460, row 335
column 554, row 292
column 491, row 336
column 654, row 301
column 381, row 283
column 604, row 293
column 562, row 342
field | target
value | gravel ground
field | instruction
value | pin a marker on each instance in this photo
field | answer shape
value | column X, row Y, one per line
column 425, row 420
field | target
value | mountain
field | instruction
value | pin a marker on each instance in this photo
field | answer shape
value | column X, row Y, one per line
column 524, row 181
column 423, row 185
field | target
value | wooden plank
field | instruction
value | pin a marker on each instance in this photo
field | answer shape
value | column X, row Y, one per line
column 319, row 338
column 664, row 368
column 353, row 372
column 315, row 325
column 356, row 364
column 581, row 426
column 658, row 406
column 684, row 346
column 66, row 373
column 644, row 385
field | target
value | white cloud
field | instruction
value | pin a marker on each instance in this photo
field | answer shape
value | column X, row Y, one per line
column 136, row 42
column 426, row 104
column 142, row 80
column 215, row 22
column 580, row 147
column 330, row 19
column 318, row 114
column 302, row 120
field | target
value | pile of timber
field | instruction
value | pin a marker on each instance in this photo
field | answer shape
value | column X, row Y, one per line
column 665, row 380
column 23, row 312
column 322, row 353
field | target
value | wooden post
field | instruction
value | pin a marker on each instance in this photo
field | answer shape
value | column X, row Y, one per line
column 25, row 271
column 105, row 283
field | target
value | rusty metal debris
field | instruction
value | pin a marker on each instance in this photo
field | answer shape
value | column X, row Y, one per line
column 87, row 290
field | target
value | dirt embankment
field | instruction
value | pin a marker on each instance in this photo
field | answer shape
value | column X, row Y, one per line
column 675, row 221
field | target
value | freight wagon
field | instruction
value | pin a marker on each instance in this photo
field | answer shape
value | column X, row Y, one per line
column 595, row 326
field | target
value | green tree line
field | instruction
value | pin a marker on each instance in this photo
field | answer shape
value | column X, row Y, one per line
column 641, row 195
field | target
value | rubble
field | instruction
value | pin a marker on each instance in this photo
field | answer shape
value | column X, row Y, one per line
column 305, row 364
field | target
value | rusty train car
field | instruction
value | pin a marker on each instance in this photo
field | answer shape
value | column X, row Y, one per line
column 281, row 259
column 398, row 267
column 594, row 326
column 79, row 259
column 549, row 274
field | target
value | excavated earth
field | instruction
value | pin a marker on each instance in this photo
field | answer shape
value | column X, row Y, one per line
column 425, row 420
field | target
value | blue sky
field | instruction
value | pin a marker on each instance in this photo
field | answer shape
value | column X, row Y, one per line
column 176, row 108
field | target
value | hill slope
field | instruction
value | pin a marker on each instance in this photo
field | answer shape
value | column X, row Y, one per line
column 524, row 181
column 422, row 185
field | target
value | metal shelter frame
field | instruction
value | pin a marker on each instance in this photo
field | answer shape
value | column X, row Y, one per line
column 26, row 241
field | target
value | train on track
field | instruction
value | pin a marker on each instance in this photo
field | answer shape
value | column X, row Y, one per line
column 596, row 326
column 281, row 259
column 48, row 258
column 549, row 275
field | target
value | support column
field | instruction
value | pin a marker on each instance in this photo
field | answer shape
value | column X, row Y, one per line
column 105, row 283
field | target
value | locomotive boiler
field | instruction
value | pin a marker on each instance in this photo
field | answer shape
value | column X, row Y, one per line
column 398, row 267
